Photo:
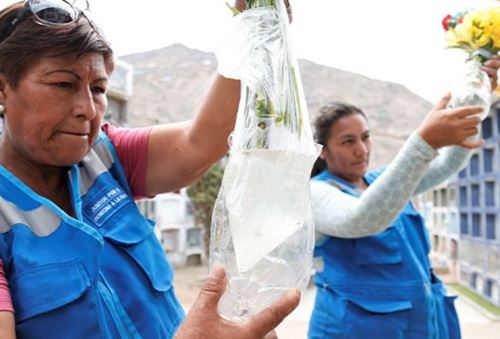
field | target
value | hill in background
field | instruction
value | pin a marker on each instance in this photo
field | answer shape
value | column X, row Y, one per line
column 169, row 84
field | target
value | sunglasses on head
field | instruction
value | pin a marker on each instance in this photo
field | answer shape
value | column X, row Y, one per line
column 49, row 13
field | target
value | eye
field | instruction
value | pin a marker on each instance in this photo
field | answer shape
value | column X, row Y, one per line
column 347, row 142
column 98, row 89
column 366, row 136
column 64, row 84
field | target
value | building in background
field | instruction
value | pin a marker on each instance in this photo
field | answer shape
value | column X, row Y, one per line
column 463, row 216
column 181, row 239
column 119, row 93
column 439, row 209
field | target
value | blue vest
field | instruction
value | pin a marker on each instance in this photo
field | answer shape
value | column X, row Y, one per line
column 101, row 274
column 380, row 286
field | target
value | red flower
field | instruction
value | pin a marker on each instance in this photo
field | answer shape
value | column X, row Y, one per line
column 460, row 20
column 446, row 22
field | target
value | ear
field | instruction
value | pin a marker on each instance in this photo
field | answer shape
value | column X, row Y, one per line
column 3, row 86
column 322, row 155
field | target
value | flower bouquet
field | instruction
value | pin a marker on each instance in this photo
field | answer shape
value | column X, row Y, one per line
column 478, row 34
column 262, row 227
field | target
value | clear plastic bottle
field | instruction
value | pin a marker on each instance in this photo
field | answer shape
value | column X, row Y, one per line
column 472, row 87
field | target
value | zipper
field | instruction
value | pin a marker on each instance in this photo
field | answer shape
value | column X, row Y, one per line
column 122, row 321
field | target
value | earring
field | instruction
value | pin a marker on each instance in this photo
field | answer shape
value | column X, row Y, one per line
column 2, row 109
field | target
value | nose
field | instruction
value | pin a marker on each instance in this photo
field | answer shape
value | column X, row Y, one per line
column 361, row 149
column 84, row 104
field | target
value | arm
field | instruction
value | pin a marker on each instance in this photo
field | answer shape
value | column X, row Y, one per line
column 341, row 215
column 131, row 145
column 179, row 153
column 7, row 325
column 450, row 160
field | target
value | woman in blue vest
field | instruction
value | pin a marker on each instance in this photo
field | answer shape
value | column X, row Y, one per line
column 373, row 277
column 80, row 260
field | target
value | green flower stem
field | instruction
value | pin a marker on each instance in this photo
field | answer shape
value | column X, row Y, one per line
column 266, row 112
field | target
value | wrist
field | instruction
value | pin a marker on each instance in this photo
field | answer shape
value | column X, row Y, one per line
column 428, row 138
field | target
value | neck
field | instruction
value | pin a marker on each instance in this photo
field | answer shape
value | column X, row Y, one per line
column 47, row 181
column 357, row 182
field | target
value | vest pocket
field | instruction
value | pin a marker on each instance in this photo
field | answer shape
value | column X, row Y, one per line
column 48, row 287
column 382, row 248
column 451, row 317
column 365, row 318
column 145, row 250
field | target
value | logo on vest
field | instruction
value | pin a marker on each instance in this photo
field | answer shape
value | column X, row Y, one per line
column 106, row 205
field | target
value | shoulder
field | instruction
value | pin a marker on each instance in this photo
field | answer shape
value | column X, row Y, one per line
column 372, row 175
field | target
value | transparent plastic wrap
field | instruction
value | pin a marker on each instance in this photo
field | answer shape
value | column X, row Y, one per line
column 472, row 87
column 262, row 226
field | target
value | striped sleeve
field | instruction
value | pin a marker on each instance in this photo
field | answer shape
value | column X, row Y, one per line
column 341, row 215
column 5, row 300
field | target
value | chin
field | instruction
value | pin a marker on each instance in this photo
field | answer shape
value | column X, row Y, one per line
column 71, row 159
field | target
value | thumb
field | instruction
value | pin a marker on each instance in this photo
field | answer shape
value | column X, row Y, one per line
column 268, row 319
column 212, row 289
column 470, row 144
column 443, row 102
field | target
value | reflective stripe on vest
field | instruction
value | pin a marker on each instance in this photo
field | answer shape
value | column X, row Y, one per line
column 41, row 221
column 98, row 161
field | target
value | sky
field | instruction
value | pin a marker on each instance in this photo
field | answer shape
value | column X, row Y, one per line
column 393, row 40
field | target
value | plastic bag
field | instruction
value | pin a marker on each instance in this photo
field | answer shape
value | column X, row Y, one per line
column 262, row 226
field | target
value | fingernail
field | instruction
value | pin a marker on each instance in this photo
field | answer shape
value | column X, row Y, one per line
column 217, row 272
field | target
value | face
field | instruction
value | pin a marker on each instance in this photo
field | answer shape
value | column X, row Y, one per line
column 347, row 151
column 54, row 114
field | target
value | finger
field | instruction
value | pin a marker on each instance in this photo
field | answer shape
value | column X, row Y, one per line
column 272, row 316
column 467, row 111
column 492, row 75
column 470, row 122
column 491, row 67
column 212, row 289
column 239, row 4
column 288, row 10
column 494, row 62
column 468, row 133
column 443, row 102
column 271, row 335
column 472, row 144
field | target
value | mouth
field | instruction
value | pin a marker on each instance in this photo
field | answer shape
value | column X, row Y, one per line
column 76, row 134
column 360, row 163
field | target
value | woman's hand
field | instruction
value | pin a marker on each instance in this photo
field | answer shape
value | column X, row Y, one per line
column 491, row 68
column 445, row 127
column 204, row 321
column 240, row 5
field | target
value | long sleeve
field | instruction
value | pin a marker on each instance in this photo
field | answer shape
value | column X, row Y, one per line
column 341, row 215
column 450, row 160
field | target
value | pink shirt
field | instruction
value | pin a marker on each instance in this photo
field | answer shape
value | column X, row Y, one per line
column 5, row 302
column 132, row 147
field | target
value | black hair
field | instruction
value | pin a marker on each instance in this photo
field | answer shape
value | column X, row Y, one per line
column 30, row 41
column 329, row 114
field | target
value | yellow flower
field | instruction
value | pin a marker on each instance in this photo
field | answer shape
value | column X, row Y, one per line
column 477, row 29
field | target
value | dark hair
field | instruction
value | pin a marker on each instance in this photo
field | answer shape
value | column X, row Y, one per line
column 329, row 114
column 29, row 42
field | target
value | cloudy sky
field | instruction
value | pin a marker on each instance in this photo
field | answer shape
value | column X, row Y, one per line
column 394, row 40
